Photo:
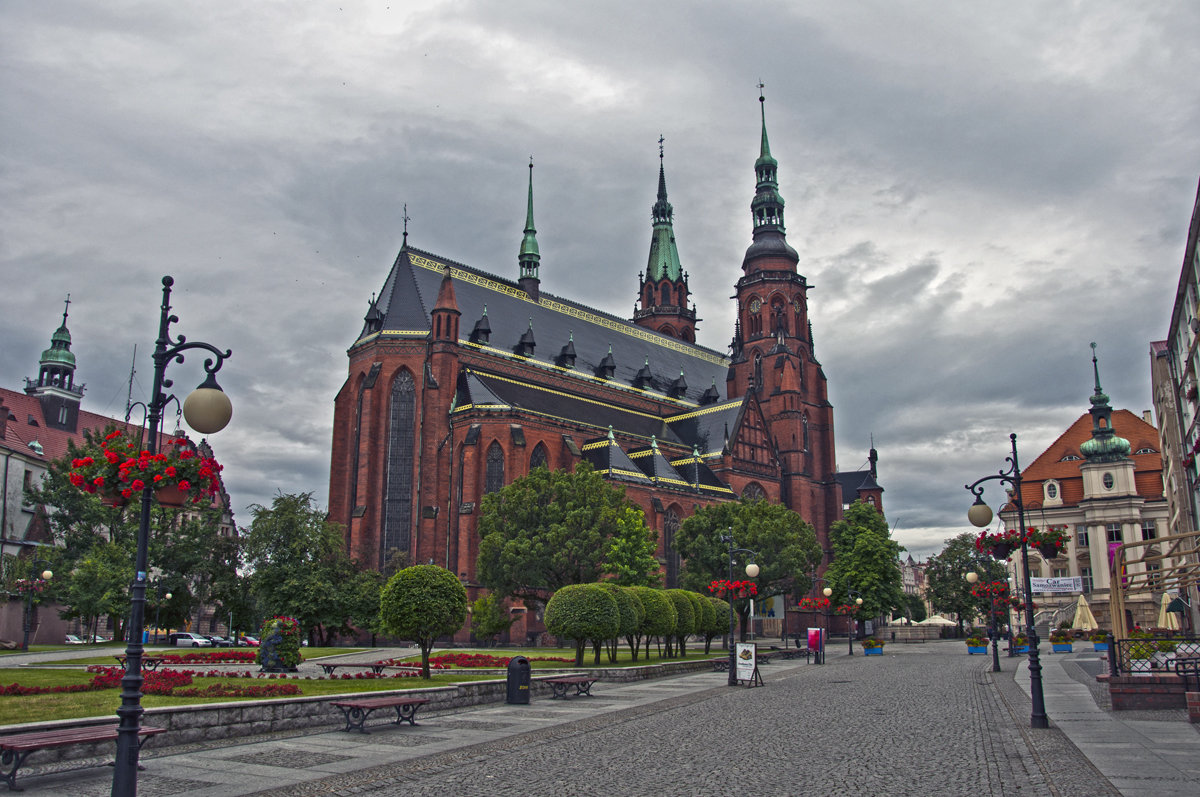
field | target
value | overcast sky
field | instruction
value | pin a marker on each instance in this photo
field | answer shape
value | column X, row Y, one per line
column 976, row 191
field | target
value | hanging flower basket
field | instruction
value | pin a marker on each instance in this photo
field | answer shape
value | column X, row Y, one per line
column 814, row 604
column 1001, row 550
column 113, row 499
column 1048, row 550
column 171, row 495
column 118, row 468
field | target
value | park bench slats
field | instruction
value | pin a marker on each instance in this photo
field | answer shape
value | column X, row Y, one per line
column 560, row 685
column 357, row 711
column 17, row 747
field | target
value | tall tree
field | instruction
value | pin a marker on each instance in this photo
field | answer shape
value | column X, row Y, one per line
column 865, row 559
column 300, row 567
column 550, row 529
column 946, row 578
column 785, row 543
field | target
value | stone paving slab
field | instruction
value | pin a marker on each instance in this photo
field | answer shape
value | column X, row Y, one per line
column 920, row 720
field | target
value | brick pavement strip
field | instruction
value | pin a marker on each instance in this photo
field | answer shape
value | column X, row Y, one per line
column 916, row 721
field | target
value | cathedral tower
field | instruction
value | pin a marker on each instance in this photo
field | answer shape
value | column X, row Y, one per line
column 663, row 293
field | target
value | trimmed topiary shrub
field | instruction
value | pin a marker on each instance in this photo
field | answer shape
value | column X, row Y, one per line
column 715, row 624
column 279, row 645
column 660, row 615
column 685, row 622
column 630, row 609
column 582, row 612
column 422, row 603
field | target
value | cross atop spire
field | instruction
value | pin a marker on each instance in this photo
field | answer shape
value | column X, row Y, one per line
column 405, row 219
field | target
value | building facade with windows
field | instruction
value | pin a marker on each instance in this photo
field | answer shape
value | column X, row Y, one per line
column 1102, row 481
column 462, row 381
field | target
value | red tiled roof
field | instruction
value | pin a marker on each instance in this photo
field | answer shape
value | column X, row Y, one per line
column 1050, row 465
column 19, row 432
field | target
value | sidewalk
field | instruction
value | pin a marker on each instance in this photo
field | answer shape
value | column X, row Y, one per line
column 1142, row 753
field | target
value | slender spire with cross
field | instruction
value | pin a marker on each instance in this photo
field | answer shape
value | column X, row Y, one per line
column 66, row 307
column 406, row 219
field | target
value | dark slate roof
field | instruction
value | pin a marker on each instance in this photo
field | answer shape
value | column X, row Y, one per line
column 651, row 462
column 607, row 457
column 700, row 476
column 411, row 289
column 854, row 480
column 706, row 428
column 478, row 389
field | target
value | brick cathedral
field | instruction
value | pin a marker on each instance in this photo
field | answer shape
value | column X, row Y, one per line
column 462, row 381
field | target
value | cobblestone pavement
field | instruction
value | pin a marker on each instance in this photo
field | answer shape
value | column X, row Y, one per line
column 916, row 721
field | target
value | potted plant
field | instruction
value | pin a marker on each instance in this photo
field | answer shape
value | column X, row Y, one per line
column 1099, row 641
column 1021, row 643
column 976, row 644
column 1141, row 651
column 872, row 647
column 1060, row 641
column 814, row 604
column 1001, row 544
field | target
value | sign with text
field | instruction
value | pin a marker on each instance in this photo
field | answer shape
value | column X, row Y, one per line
column 746, row 663
column 1059, row 584
column 816, row 639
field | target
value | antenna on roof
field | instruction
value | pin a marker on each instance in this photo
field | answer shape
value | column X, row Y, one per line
column 129, row 395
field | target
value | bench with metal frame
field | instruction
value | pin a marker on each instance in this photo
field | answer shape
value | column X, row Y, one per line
column 16, row 748
column 560, row 685
column 359, row 710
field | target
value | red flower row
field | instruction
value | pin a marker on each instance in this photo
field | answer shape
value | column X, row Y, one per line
column 814, row 604
column 733, row 589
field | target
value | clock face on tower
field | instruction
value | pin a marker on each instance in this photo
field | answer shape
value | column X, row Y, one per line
column 755, row 304
column 797, row 304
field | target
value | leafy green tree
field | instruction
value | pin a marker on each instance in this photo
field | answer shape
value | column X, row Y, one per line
column 786, row 546
column 685, row 621
column 865, row 559
column 946, row 584
column 300, row 567
column 490, row 618
column 99, row 584
column 913, row 607
column 422, row 603
column 583, row 612
column 550, row 529
column 639, row 608
column 631, row 556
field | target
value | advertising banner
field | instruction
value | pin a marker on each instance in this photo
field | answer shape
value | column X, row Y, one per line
column 1059, row 584
column 816, row 639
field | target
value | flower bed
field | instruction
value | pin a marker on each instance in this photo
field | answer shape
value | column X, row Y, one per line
column 210, row 657
column 469, row 660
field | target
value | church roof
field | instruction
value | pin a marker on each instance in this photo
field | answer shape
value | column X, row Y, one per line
column 412, row 287
column 854, row 480
column 708, row 428
column 607, row 457
column 28, row 432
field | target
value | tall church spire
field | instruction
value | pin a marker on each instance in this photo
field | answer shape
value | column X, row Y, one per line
column 529, row 257
column 766, row 209
column 55, row 386
column 663, row 292
column 1104, row 446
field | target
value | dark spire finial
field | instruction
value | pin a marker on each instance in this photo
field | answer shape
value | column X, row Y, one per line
column 66, row 307
column 1096, row 368
column 405, row 219
column 660, row 146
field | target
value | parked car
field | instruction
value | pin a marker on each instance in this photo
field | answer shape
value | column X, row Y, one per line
column 74, row 640
column 248, row 641
column 219, row 641
column 186, row 639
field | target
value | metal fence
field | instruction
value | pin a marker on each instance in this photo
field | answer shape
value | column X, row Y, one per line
column 1158, row 655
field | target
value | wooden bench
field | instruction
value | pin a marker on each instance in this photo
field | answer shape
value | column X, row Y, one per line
column 792, row 653
column 560, row 685
column 18, row 747
column 148, row 662
column 376, row 667
column 357, row 711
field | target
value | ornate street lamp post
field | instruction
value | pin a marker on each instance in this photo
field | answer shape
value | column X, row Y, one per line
column 752, row 571
column 207, row 410
column 993, row 631
column 980, row 515
column 30, row 609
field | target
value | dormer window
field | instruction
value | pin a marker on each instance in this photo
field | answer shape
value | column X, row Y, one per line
column 1146, row 450
column 1052, row 490
column 1071, row 458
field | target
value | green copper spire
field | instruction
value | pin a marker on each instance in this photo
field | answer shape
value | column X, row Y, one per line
column 60, row 353
column 767, row 206
column 529, row 248
column 529, row 257
column 664, row 255
column 1104, row 446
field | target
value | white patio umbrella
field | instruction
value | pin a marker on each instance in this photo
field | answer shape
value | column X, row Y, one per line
column 937, row 619
column 1084, row 619
column 1167, row 619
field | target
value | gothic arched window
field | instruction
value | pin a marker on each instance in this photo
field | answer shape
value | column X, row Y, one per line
column 666, row 293
column 494, row 479
column 804, row 425
column 670, row 528
column 758, row 372
column 538, row 458
column 397, row 501
column 753, row 492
